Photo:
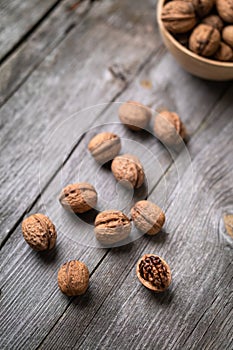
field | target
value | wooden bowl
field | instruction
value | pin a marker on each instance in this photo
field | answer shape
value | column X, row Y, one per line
column 196, row 65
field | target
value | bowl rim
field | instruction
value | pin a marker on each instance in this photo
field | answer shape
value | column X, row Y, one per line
column 184, row 49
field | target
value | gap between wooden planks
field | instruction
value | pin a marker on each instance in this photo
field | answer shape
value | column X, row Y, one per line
column 19, row 21
column 61, row 85
column 86, row 255
column 46, row 35
column 197, row 261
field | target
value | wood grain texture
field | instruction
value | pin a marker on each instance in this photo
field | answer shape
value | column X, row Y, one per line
column 17, row 18
column 51, row 32
column 71, row 78
column 196, row 312
column 117, row 312
column 41, row 289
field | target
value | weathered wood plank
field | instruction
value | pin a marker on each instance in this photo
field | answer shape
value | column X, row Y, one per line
column 17, row 18
column 196, row 312
column 72, row 77
column 29, row 292
column 18, row 305
column 46, row 37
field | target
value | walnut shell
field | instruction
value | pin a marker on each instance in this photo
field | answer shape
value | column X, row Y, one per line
column 153, row 272
column 128, row 169
column 204, row 40
column 225, row 10
column 104, row 147
column 134, row 115
column 169, row 128
column 214, row 21
column 39, row 232
column 203, row 7
column 178, row 16
column 79, row 197
column 227, row 35
column 224, row 53
column 73, row 278
column 148, row 217
column 112, row 226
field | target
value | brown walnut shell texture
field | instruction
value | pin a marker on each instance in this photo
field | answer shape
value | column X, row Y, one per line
column 178, row 16
column 134, row 115
column 225, row 10
column 73, row 278
column 79, row 197
column 104, row 147
column 203, row 7
column 224, row 53
column 112, row 226
column 128, row 169
column 148, row 217
column 39, row 232
column 204, row 40
column 227, row 35
column 214, row 21
column 169, row 128
column 153, row 272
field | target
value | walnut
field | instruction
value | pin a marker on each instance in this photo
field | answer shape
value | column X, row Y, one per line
column 73, row 278
column 79, row 197
column 224, row 53
column 39, row 232
column 178, row 16
column 204, row 40
column 112, row 226
column 169, row 128
column 227, row 35
column 225, row 10
column 148, row 217
column 214, row 21
column 153, row 272
column 203, row 7
column 128, row 169
column 134, row 115
column 104, row 146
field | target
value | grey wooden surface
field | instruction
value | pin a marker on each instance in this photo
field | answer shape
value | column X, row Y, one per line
column 67, row 67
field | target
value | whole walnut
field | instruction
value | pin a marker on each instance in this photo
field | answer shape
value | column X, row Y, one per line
column 203, row 7
column 169, row 128
column 224, row 53
column 104, row 146
column 78, row 197
column 147, row 217
column 225, row 10
column 73, row 278
column 134, row 115
column 128, row 169
column 214, row 21
column 227, row 35
column 204, row 40
column 178, row 16
column 39, row 232
column 112, row 226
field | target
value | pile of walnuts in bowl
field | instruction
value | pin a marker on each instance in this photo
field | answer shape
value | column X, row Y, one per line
column 203, row 26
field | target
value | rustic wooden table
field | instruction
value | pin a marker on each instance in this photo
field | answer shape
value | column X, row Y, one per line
column 64, row 67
